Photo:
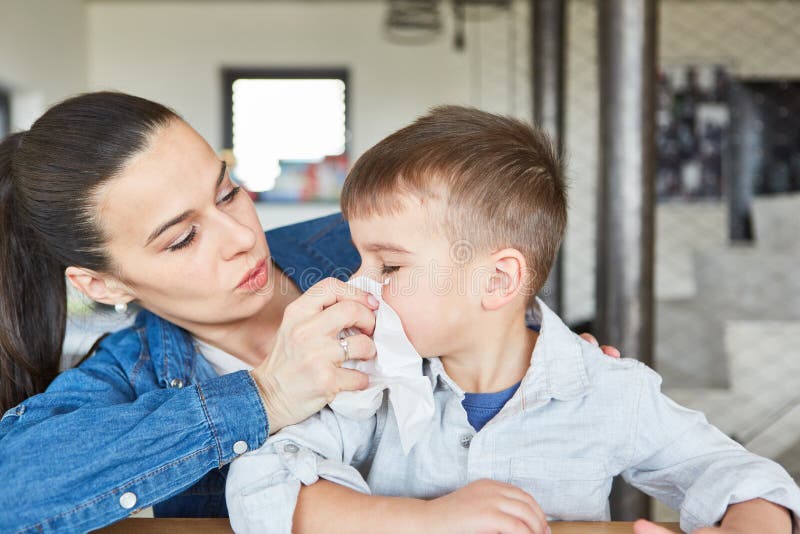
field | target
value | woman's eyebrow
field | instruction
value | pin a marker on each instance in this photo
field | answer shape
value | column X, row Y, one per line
column 183, row 216
column 221, row 175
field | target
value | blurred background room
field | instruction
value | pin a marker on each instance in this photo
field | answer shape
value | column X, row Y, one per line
column 699, row 248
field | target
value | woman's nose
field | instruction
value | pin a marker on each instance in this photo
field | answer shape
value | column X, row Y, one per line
column 236, row 238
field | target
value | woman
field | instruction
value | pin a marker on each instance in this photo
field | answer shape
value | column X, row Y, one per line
column 133, row 205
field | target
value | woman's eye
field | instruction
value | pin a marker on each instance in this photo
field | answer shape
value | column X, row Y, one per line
column 388, row 269
column 186, row 241
column 230, row 196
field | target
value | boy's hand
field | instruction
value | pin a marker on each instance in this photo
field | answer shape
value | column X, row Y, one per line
column 487, row 506
column 756, row 515
column 608, row 350
column 643, row 526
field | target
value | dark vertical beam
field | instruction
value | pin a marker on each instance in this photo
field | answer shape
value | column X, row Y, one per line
column 744, row 143
column 625, row 214
column 548, row 26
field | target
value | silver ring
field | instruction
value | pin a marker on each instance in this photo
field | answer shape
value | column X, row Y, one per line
column 343, row 344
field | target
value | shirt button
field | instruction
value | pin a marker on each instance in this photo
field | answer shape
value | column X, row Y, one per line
column 127, row 500
column 176, row 383
column 465, row 439
column 240, row 447
column 291, row 448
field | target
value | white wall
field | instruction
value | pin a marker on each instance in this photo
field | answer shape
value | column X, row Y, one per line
column 42, row 54
column 173, row 52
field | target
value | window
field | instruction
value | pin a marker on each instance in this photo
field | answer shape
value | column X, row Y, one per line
column 287, row 131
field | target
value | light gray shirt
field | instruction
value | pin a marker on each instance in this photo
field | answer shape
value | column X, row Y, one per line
column 578, row 419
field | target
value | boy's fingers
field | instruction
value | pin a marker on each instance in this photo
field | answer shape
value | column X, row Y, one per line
column 525, row 498
column 590, row 338
column 643, row 526
column 512, row 525
column 520, row 510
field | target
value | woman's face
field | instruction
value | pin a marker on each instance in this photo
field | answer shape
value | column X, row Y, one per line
column 180, row 234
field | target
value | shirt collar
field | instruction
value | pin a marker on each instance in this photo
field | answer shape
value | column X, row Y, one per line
column 557, row 370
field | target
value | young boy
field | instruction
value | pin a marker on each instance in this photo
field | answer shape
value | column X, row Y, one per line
column 463, row 213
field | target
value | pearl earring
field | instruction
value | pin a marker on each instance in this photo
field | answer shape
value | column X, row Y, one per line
column 121, row 307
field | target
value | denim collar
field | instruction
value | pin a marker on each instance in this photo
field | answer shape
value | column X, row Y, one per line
column 557, row 369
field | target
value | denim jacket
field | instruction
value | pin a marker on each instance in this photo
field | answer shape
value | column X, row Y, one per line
column 146, row 421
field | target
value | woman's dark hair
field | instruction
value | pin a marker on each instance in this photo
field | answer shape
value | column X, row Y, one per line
column 49, row 176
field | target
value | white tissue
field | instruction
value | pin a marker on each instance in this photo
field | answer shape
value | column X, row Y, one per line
column 397, row 367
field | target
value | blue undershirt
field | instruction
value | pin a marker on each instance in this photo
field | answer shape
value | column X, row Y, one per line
column 481, row 407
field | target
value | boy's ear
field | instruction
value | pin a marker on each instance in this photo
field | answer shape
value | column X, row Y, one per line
column 508, row 280
column 100, row 288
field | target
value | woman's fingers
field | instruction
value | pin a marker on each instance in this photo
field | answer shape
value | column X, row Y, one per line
column 359, row 347
column 344, row 314
column 590, row 338
column 351, row 380
column 326, row 293
column 608, row 350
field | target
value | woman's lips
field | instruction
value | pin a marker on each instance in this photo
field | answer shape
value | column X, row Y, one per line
column 256, row 278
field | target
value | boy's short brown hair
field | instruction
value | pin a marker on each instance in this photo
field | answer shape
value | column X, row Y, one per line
column 500, row 179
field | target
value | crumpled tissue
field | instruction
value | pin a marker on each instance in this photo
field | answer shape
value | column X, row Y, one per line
column 397, row 367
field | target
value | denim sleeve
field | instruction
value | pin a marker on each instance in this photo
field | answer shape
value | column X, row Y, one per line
column 263, row 485
column 682, row 460
column 88, row 451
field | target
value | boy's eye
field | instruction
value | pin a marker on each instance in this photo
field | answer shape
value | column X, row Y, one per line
column 184, row 241
column 230, row 196
column 388, row 269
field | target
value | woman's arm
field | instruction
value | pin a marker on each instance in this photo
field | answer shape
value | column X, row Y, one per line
column 88, row 452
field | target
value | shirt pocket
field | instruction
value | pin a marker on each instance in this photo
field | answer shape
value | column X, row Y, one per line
column 570, row 489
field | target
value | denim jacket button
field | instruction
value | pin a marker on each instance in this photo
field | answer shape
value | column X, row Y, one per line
column 127, row 500
column 176, row 383
column 291, row 448
column 466, row 440
column 240, row 447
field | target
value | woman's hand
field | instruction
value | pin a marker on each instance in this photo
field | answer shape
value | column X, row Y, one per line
column 608, row 350
column 303, row 372
column 487, row 506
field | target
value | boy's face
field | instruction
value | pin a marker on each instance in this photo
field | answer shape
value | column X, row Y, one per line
column 434, row 286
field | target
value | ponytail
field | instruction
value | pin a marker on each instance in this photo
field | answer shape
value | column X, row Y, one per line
column 32, row 297
column 49, row 177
